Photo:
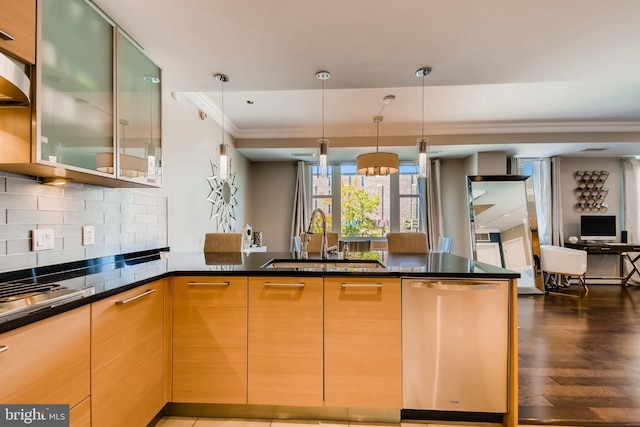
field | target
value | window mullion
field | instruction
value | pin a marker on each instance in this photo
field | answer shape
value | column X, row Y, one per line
column 336, row 202
column 394, row 200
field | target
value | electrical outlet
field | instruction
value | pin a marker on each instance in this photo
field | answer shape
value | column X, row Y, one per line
column 88, row 235
column 42, row 240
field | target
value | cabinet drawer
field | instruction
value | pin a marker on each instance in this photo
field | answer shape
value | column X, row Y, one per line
column 18, row 20
column 210, row 340
column 47, row 361
column 362, row 342
column 80, row 415
column 285, row 341
column 127, row 357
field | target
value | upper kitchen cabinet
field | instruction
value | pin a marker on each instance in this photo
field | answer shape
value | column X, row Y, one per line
column 98, row 100
column 139, row 127
column 76, row 86
column 18, row 29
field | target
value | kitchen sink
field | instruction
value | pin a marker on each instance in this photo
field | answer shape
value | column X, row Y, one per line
column 324, row 264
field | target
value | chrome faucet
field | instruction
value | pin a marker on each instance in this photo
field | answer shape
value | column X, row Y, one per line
column 324, row 250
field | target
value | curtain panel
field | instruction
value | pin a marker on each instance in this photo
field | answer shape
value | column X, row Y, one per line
column 301, row 202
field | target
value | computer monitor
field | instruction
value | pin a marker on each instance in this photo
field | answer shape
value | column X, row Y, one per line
column 598, row 227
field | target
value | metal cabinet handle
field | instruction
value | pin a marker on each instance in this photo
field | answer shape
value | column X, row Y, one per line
column 209, row 283
column 127, row 301
column 6, row 36
column 362, row 285
column 455, row 286
column 3, row 348
column 284, row 285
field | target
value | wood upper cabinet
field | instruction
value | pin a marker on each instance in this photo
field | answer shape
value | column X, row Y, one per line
column 18, row 21
column 47, row 361
column 285, row 364
column 362, row 342
column 210, row 340
column 127, row 357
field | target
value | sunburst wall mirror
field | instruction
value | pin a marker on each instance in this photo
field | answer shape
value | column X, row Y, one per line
column 223, row 198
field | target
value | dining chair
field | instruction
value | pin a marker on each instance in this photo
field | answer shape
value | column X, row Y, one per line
column 378, row 245
column 223, row 242
column 415, row 243
column 316, row 241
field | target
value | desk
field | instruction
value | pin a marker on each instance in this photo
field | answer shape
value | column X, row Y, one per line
column 620, row 250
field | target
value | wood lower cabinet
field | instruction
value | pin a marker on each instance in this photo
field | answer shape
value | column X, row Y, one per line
column 80, row 415
column 285, row 364
column 210, row 340
column 362, row 342
column 127, row 357
column 47, row 361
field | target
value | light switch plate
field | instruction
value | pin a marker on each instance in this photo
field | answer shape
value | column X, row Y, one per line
column 42, row 240
column 88, row 235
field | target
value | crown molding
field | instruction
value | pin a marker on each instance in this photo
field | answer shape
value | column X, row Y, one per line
column 205, row 104
column 459, row 128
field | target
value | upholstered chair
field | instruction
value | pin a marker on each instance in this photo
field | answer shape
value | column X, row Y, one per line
column 414, row 243
column 223, row 242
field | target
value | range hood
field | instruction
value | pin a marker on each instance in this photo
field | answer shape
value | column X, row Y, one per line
column 14, row 83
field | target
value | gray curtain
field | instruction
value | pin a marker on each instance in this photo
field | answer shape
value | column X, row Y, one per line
column 300, row 217
column 433, row 205
column 557, row 235
column 631, row 191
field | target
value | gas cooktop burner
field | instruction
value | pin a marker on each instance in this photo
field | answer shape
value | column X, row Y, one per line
column 20, row 298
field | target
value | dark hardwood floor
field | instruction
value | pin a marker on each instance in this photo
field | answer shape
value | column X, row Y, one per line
column 579, row 358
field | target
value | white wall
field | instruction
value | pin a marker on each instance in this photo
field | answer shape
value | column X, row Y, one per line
column 455, row 210
column 273, row 185
column 491, row 163
column 189, row 145
column 569, row 166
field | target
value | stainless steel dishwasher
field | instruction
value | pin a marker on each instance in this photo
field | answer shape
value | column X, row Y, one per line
column 455, row 338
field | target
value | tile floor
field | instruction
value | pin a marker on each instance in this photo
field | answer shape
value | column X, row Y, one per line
column 218, row 422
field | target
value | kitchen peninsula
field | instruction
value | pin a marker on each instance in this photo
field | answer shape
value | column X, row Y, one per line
column 227, row 334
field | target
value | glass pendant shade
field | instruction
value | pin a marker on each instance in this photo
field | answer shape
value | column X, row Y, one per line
column 322, row 157
column 224, row 163
column 423, row 158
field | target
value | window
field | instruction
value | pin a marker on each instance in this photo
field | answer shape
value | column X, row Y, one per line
column 322, row 193
column 368, row 206
column 409, row 200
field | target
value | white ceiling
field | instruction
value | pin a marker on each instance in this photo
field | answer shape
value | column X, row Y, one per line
column 532, row 77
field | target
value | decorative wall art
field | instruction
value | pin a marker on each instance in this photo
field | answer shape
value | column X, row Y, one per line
column 223, row 198
column 591, row 191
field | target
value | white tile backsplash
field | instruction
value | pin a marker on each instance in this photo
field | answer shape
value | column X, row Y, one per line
column 125, row 220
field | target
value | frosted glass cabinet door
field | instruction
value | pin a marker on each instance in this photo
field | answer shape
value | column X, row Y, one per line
column 77, row 102
column 139, row 131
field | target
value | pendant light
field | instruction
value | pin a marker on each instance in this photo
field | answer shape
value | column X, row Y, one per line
column 224, row 159
column 378, row 163
column 424, row 162
column 323, row 143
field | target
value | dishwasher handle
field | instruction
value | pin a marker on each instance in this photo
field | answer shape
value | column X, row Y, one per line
column 459, row 286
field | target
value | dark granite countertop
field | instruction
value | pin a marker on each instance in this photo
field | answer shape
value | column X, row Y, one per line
column 109, row 275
